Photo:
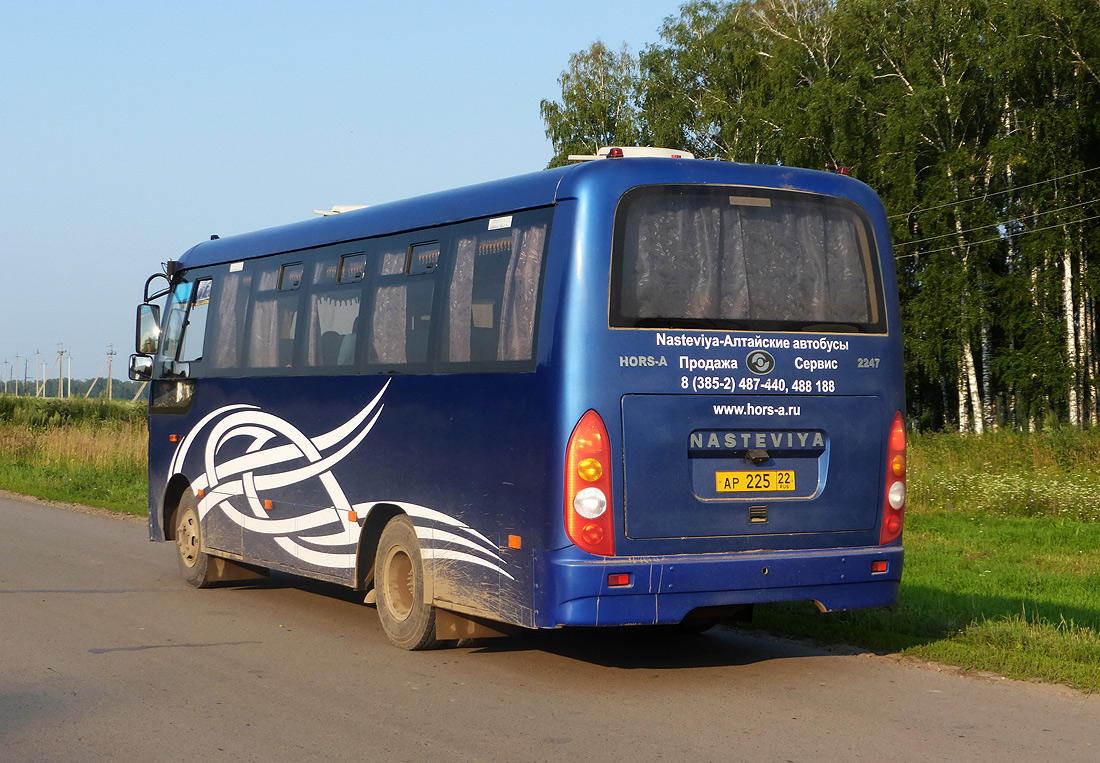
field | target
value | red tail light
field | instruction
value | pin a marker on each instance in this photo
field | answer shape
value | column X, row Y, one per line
column 893, row 502
column 588, row 487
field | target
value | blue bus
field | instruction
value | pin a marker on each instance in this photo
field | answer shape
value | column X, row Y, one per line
column 636, row 390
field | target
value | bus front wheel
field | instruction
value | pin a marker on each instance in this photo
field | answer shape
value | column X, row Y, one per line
column 399, row 584
column 194, row 562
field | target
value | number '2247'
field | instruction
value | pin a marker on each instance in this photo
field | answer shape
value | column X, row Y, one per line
column 867, row 363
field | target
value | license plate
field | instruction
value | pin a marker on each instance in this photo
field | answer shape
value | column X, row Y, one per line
column 753, row 482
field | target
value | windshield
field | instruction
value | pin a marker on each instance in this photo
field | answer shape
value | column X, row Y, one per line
column 743, row 258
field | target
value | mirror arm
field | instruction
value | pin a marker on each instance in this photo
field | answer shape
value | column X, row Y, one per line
column 152, row 297
column 171, row 267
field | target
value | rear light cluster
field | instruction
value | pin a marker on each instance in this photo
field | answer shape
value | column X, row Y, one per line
column 893, row 503
column 588, row 487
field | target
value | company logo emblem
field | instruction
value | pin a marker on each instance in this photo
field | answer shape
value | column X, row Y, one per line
column 760, row 362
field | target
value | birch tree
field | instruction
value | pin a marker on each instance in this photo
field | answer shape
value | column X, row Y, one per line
column 598, row 106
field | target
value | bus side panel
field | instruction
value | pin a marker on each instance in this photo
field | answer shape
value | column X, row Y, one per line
column 298, row 476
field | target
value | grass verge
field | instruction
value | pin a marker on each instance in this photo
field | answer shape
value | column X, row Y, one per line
column 1010, row 595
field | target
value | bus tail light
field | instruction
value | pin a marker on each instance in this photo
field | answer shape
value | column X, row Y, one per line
column 588, row 487
column 893, row 502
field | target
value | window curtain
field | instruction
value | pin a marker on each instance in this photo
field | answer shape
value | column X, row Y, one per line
column 229, row 325
column 461, row 301
column 263, row 344
column 790, row 261
column 388, row 340
column 521, row 286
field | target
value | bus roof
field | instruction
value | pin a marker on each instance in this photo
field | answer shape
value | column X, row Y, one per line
column 537, row 189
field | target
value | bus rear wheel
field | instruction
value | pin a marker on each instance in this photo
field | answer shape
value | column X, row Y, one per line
column 194, row 562
column 399, row 584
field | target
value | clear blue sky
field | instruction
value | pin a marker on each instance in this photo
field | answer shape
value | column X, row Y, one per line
column 130, row 131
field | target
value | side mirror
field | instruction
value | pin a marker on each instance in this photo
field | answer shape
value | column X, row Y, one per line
column 148, row 330
column 141, row 368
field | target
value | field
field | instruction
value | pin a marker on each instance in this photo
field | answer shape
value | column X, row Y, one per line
column 80, row 451
column 1002, row 568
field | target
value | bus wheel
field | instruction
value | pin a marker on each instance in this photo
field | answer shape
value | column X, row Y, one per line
column 194, row 562
column 399, row 583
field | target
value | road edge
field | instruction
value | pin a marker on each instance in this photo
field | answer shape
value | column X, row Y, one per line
column 78, row 507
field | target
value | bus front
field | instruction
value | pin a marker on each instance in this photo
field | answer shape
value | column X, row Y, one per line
column 732, row 395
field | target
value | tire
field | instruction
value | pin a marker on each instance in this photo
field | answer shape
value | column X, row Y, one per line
column 194, row 562
column 399, row 583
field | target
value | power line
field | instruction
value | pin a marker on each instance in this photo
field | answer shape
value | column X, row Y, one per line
column 999, row 223
column 987, row 195
column 998, row 238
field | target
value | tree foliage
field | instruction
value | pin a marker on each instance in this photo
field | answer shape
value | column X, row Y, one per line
column 977, row 122
column 598, row 105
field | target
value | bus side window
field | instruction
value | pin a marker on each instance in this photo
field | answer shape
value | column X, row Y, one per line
column 334, row 310
column 493, row 295
column 401, row 320
column 173, row 323
column 227, row 326
column 194, row 332
column 274, row 317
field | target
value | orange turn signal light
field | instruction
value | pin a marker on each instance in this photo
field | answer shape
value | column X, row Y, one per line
column 590, row 470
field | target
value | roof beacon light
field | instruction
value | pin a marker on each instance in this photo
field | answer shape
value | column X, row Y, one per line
column 628, row 152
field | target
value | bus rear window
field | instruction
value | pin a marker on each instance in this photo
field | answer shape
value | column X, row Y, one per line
column 743, row 258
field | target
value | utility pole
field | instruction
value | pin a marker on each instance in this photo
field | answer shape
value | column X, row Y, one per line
column 17, row 376
column 110, row 368
column 47, row 374
column 108, row 364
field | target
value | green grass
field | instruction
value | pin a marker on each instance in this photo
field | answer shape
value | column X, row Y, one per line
column 1048, row 475
column 45, row 413
column 119, row 489
column 1002, row 565
column 80, row 451
column 1015, row 596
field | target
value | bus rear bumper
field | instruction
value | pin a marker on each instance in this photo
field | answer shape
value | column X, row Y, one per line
column 665, row 589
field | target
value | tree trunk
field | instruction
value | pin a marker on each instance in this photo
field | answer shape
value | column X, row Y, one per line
column 1071, row 334
column 964, row 415
column 989, row 418
column 972, row 383
column 976, row 407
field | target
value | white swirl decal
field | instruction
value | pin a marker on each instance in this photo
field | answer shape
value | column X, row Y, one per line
column 236, row 487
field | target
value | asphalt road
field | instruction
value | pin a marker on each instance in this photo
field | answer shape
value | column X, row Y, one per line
column 105, row 655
